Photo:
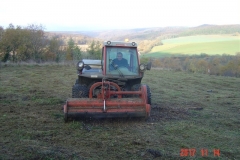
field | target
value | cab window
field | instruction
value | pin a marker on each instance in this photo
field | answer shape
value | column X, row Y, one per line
column 117, row 55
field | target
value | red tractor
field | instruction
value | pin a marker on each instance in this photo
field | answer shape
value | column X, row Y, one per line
column 110, row 87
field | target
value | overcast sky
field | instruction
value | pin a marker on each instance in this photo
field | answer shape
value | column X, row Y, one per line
column 79, row 15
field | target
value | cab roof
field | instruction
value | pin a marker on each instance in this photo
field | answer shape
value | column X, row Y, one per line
column 120, row 43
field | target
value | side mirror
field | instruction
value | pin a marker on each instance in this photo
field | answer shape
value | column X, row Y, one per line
column 87, row 67
column 149, row 65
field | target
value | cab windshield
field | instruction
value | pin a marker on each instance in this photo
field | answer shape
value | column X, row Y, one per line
column 121, row 61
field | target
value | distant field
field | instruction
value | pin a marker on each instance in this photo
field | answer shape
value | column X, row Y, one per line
column 209, row 44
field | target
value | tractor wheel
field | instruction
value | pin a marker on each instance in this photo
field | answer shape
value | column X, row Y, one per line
column 149, row 95
column 125, row 95
column 79, row 91
column 136, row 87
column 77, row 81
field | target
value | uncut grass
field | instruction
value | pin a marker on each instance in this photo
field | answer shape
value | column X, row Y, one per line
column 188, row 111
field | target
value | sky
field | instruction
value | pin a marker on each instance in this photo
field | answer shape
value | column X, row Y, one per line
column 90, row 15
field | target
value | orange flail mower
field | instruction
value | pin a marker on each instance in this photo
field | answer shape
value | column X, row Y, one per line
column 110, row 87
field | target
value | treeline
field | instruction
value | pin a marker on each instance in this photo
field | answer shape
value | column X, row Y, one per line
column 78, row 38
column 33, row 44
column 211, row 29
column 224, row 65
column 147, row 45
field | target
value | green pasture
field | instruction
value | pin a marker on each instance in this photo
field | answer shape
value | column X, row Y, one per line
column 209, row 44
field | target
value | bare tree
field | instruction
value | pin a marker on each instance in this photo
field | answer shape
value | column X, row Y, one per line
column 37, row 41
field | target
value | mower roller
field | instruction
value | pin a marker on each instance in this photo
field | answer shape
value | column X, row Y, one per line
column 106, row 90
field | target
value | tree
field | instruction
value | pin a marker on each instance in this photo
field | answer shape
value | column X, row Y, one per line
column 52, row 50
column 1, row 32
column 70, row 49
column 10, row 41
column 98, row 50
column 202, row 66
column 77, row 53
column 73, row 51
column 147, row 45
column 94, row 50
column 37, row 41
column 19, row 43
column 215, row 66
column 91, row 49
column 24, row 49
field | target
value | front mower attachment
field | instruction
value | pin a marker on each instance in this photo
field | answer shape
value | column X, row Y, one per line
column 105, row 106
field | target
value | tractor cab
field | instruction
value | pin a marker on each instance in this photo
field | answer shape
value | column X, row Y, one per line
column 121, row 59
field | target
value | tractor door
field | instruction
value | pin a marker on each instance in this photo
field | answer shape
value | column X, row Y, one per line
column 133, row 61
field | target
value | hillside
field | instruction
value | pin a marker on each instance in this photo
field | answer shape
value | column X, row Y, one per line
column 147, row 38
column 211, row 29
column 140, row 34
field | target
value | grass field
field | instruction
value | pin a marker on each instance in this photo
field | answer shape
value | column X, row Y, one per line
column 209, row 44
column 192, row 111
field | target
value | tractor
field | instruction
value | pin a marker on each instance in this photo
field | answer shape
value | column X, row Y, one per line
column 110, row 87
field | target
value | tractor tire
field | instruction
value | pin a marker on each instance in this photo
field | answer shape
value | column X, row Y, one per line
column 125, row 95
column 136, row 87
column 77, row 81
column 149, row 95
column 79, row 91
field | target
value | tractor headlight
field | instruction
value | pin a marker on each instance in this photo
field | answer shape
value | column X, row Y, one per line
column 108, row 42
column 80, row 65
column 133, row 43
column 142, row 67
